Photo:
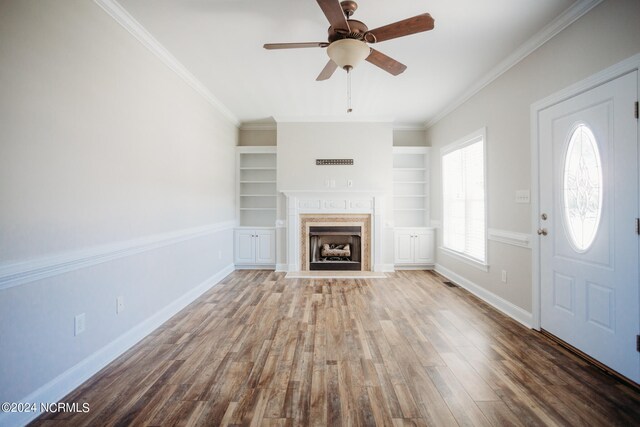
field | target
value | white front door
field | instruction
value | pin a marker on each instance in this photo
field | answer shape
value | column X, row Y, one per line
column 588, row 208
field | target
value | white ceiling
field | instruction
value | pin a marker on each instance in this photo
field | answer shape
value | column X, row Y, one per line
column 220, row 43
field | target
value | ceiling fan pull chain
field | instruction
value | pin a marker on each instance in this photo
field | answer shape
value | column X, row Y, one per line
column 349, row 109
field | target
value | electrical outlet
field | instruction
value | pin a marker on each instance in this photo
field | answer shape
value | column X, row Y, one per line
column 523, row 196
column 504, row 276
column 119, row 305
column 79, row 324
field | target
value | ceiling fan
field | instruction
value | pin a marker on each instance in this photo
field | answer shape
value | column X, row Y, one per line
column 347, row 44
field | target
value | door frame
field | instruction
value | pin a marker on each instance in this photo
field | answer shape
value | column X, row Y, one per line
column 621, row 68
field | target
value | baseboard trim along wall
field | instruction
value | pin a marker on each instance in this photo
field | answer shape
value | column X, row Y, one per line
column 511, row 310
column 22, row 272
column 69, row 380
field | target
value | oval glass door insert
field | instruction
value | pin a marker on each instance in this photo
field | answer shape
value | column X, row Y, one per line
column 582, row 191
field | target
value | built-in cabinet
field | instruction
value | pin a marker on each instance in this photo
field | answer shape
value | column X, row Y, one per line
column 255, row 243
column 255, row 247
column 414, row 246
column 414, row 238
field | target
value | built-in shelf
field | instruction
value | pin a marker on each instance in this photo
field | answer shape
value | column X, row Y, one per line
column 256, row 186
column 411, row 186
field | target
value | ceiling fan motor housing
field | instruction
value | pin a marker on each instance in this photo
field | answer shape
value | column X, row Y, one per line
column 358, row 31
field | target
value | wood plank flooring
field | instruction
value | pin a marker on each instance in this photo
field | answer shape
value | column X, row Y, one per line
column 259, row 349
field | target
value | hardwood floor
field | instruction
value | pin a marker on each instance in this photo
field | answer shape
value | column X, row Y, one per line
column 259, row 349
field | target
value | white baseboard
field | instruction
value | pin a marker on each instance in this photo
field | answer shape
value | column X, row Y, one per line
column 255, row 266
column 511, row 310
column 414, row 267
column 282, row 268
column 66, row 382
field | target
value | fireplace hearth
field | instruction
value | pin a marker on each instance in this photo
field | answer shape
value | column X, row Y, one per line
column 336, row 248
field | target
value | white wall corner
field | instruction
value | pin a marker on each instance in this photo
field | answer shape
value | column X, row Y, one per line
column 518, row 314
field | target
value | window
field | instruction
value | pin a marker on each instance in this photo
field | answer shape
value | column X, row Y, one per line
column 582, row 188
column 463, row 193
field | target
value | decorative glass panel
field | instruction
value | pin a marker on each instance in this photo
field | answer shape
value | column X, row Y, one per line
column 582, row 188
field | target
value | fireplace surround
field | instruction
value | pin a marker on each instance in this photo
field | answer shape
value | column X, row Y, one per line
column 329, row 209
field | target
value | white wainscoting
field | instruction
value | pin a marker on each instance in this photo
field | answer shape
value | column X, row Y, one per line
column 67, row 283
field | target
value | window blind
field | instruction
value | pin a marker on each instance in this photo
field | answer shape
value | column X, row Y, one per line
column 464, row 199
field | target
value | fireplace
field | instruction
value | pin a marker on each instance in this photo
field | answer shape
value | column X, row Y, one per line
column 335, row 248
column 339, row 230
column 334, row 209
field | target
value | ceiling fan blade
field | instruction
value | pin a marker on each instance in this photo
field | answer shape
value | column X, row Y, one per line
column 388, row 64
column 417, row 24
column 333, row 11
column 327, row 71
column 271, row 46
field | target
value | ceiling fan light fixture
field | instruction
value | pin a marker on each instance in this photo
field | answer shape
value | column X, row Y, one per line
column 348, row 53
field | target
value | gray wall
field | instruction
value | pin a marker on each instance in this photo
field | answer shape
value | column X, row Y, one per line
column 606, row 35
column 409, row 137
column 257, row 137
column 100, row 144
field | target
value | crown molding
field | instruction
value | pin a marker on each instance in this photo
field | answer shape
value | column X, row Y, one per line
column 128, row 22
column 334, row 119
column 258, row 126
column 568, row 17
column 409, row 126
column 274, row 126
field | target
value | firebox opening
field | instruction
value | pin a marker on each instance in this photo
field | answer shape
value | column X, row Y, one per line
column 335, row 248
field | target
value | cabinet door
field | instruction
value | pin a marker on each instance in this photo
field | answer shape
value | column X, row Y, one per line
column 265, row 247
column 423, row 247
column 244, row 247
column 403, row 247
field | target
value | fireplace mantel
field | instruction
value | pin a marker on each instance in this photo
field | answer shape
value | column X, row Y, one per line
column 333, row 202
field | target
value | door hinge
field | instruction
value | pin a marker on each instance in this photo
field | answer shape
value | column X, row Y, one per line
column 636, row 109
column 638, row 343
column 638, row 226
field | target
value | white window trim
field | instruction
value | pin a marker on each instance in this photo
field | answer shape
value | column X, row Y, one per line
column 461, row 143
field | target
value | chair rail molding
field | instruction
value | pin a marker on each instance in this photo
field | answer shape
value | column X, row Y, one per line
column 22, row 272
column 522, row 240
